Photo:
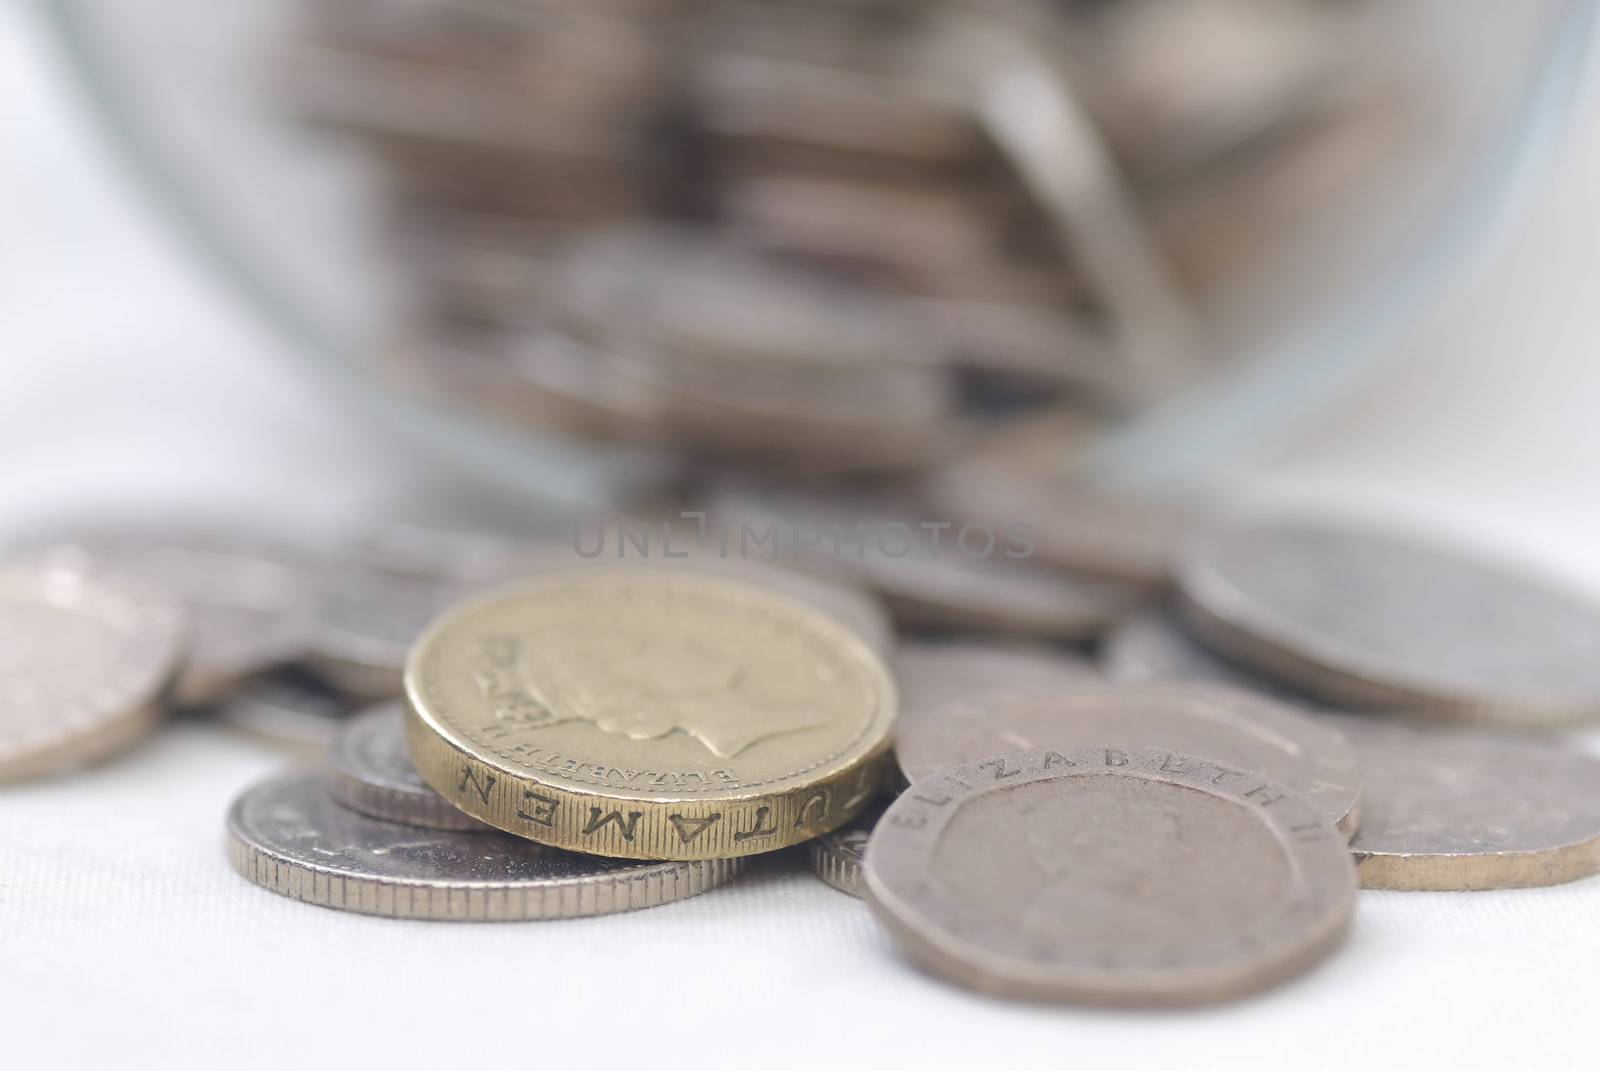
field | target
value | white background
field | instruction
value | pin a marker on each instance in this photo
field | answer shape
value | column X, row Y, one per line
column 127, row 375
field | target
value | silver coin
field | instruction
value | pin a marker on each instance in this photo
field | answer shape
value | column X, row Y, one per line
column 1249, row 70
column 933, row 238
column 1373, row 620
column 456, row 109
column 366, row 621
column 249, row 609
column 371, row 772
column 85, row 660
column 947, row 690
column 868, row 419
column 681, row 293
column 928, row 572
column 1108, row 876
column 753, row 98
column 1072, row 174
column 289, row 706
column 1035, row 472
column 288, row 835
column 1071, row 526
column 1152, row 646
column 368, row 618
column 997, row 595
column 1451, row 808
column 1236, row 728
column 836, row 857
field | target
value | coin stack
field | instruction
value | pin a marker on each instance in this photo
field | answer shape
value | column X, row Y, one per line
column 828, row 236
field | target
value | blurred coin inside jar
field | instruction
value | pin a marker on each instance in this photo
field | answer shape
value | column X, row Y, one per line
column 832, row 238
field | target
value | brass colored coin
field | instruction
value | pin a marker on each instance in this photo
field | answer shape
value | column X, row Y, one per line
column 1109, row 876
column 1449, row 808
column 649, row 713
column 1240, row 729
column 85, row 659
column 289, row 836
column 836, row 857
column 371, row 772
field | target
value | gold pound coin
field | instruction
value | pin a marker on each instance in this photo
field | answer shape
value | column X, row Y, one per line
column 649, row 713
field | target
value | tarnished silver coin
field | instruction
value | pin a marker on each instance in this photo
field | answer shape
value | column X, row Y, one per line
column 681, row 292
column 996, row 595
column 249, row 609
column 1030, row 478
column 1072, row 526
column 1452, row 808
column 1239, row 729
column 366, row 621
column 370, row 609
column 289, row 706
column 371, row 772
column 1368, row 619
column 85, row 660
column 929, row 573
column 1152, row 646
column 1109, row 876
column 836, row 857
column 948, row 688
column 288, row 835
column 743, row 98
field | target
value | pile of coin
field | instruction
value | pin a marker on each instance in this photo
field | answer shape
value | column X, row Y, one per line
column 822, row 235
column 1308, row 708
column 875, row 272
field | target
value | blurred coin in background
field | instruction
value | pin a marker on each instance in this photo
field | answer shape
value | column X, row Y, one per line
column 249, row 600
column 1371, row 619
column 930, row 572
column 86, row 657
column 1151, row 645
column 289, row 706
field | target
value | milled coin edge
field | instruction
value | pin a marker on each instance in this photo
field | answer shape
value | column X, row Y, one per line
column 591, row 895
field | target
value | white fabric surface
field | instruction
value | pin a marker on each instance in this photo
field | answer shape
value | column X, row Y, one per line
column 126, row 940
